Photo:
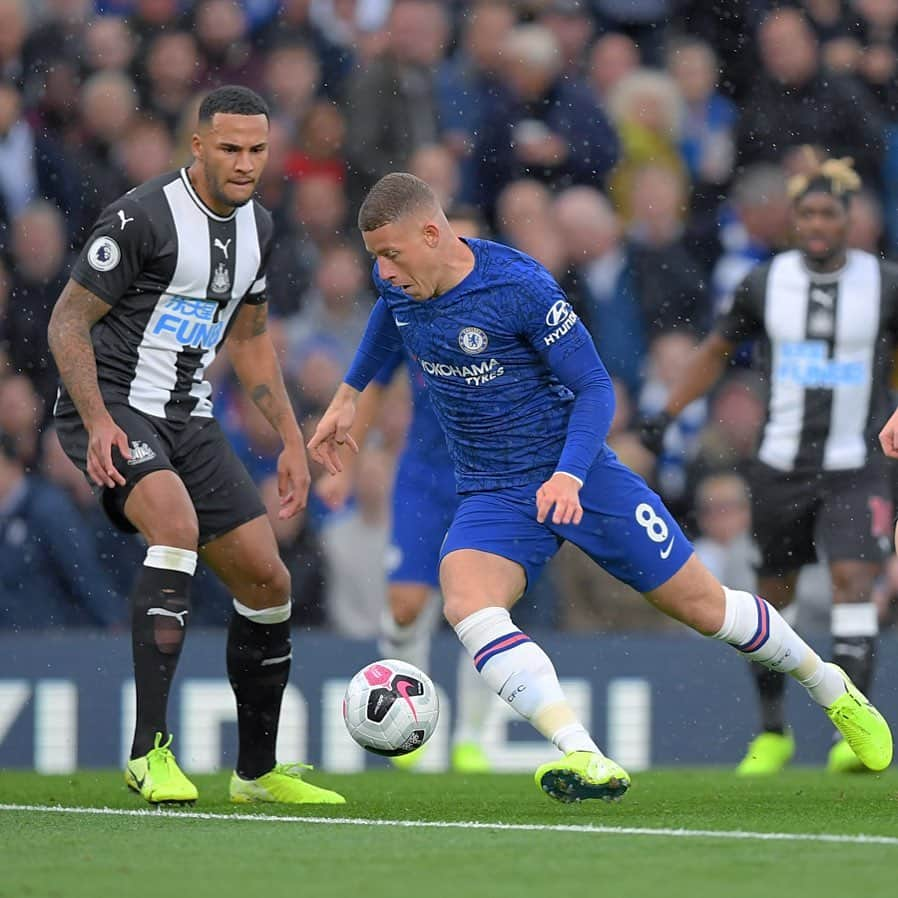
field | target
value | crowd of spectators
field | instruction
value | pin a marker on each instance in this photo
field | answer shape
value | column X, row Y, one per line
column 637, row 148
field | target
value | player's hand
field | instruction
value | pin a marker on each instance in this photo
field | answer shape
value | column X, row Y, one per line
column 562, row 492
column 293, row 481
column 888, row 436
column 652, row 431
column 331, row 434
column 102, row 436
column 335, row 489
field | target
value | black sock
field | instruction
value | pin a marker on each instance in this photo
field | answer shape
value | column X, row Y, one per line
column 856, row 655
column 160, row 601
column 258, row 668
column 771, row 692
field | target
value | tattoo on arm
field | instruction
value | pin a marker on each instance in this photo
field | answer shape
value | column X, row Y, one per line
column 76, row 311
column 266, row 402
column 259, row 320
column 256, row 365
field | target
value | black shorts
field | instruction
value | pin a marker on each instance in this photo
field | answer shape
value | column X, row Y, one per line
column 847, row 515
column 219, row 485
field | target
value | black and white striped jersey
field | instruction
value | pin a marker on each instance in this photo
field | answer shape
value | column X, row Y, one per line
column 825, row 345
column 174, row 274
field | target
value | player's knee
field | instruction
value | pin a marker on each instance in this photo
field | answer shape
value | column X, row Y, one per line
column 457, row 606
column 851, row 585
column 406, row 603
column 182, row 532
column 404, row 615
column 274, row 581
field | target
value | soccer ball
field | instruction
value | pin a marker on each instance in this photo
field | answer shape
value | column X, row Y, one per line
column 391, row 708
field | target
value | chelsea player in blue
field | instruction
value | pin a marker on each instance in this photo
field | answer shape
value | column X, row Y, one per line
column 424, row 504
column 525, row 403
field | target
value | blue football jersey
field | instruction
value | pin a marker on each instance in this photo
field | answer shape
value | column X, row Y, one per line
column 481, row 348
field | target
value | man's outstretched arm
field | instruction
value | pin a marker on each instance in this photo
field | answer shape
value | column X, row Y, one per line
column 380, row 341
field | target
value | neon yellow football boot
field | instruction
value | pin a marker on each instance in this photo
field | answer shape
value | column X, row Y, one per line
column 580, row 775
column 864, row 728
column 767, row 754
column 410, row 761
column 283, row 785
column 842, row 759
column 469, row 757
column 157, row 778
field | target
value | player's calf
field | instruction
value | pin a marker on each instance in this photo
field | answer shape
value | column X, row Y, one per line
column 160, row 608
column 258, row 659
column 405, row 628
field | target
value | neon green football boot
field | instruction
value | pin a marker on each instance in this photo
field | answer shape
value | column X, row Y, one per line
column 283, row 785
column 842, row 759
column 157, row 777
column 581, row 775
column 410, row 761
column 469, row 757
column 864, row 728
column 767, row 754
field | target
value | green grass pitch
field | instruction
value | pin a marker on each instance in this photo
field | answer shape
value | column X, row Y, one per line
column 690, row 833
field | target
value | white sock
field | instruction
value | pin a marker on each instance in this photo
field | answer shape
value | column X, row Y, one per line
column 409, row 643
column 520, row 672
column 473, row 702
column 853, row 620
column 756, row 629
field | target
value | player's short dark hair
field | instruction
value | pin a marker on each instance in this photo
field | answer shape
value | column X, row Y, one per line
column 232, row 99
column 393, row 197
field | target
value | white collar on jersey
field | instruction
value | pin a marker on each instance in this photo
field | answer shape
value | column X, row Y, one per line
column 196, row 198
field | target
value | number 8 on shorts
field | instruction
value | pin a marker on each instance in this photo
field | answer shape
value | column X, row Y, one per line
column 654, row 526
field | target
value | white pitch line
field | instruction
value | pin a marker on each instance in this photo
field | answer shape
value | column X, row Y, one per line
column 473, row 824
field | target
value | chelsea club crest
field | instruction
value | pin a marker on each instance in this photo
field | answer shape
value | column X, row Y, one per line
column 472, row 340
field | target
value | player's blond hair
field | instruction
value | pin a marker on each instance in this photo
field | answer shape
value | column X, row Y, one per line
column 393, row 197
column 842, row 179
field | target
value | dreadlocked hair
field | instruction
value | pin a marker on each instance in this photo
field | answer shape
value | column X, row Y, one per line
column 835, row 176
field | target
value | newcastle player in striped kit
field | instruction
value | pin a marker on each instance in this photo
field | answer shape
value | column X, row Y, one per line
column 174, row 270
column 826, row 320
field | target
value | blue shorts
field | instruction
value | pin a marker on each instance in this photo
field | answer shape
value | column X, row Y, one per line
column 625, row 528
column 424, row 503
